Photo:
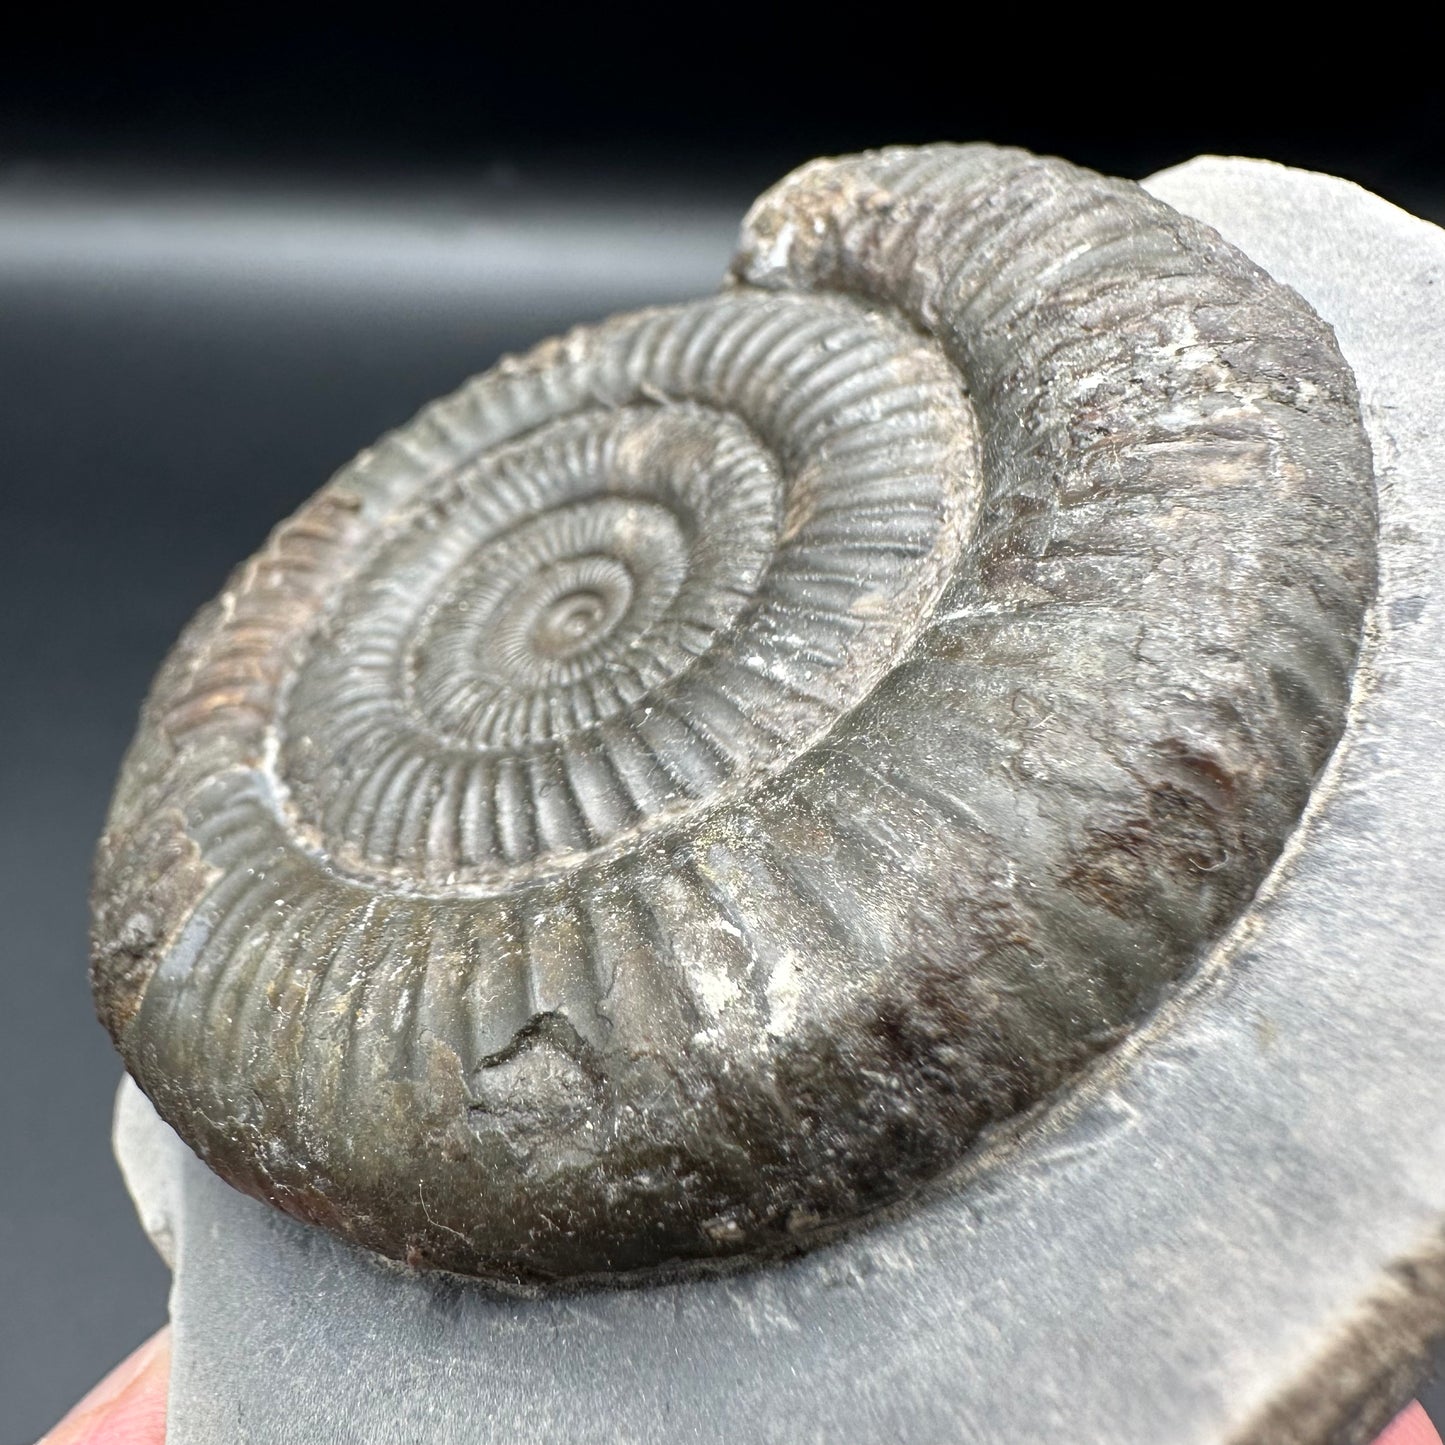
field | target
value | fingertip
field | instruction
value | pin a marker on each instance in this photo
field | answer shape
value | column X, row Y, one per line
column 128, row 1407
column 1410, row 1427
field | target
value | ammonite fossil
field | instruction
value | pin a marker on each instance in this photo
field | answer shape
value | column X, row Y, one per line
column 665, row 802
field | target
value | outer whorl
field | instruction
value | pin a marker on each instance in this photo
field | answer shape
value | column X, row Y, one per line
column 668, row 799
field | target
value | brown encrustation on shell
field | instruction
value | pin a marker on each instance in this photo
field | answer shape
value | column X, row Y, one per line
column 663, row 803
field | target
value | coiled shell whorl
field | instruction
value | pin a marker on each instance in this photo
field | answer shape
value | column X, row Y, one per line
column 663, row 803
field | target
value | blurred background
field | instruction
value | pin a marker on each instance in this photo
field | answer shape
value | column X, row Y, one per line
column 229, row 259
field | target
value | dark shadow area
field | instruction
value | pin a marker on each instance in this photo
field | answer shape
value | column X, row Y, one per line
column 709, row 97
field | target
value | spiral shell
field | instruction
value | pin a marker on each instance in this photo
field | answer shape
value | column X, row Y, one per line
column 664, row 802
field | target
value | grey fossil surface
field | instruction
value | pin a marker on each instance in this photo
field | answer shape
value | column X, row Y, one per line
column 1231, row 1232
column 661, row 805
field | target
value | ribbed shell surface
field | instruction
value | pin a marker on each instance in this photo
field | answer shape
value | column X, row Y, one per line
column 663, row 803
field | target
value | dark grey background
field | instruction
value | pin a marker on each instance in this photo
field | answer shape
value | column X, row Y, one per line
column 228, row 261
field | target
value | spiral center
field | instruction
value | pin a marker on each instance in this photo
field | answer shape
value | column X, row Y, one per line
column 570, row 623
column 575, row 605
